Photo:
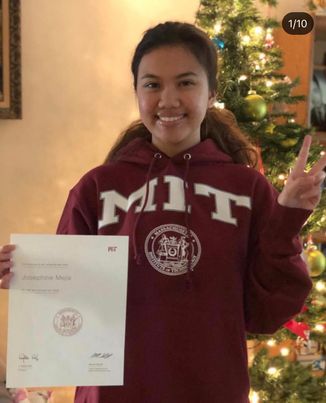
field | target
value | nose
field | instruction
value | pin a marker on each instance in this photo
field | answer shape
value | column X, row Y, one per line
column 169, row 98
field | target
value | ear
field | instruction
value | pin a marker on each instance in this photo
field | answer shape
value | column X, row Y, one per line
column 211, row 99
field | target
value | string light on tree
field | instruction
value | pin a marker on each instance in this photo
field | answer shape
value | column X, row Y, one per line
column 319, row 328
column 245, row 40
column 287, row 80
column 285, row 351
column 271, row 342
column 262, row 62
column 217, row 27
column 258, row 31
column 219, row 105
column 273, row 372
column 320, row 286
column 282, row 179
column 254, row 397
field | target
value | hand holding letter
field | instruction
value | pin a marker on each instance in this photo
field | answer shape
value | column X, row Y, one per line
column 5, row 265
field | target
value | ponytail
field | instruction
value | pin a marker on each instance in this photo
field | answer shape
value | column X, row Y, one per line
column 221, row 126
column 134, row 130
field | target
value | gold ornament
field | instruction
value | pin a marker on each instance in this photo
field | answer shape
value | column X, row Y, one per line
column 254, row 108
column 316, row 262
column 288, row 143
column 315, row 259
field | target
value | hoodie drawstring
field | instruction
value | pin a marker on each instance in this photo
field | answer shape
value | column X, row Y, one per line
column 187, row 158
column 137, row 256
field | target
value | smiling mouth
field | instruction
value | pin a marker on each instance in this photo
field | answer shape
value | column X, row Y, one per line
column 167, row 119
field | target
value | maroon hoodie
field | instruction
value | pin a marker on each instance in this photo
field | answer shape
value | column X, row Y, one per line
column 199, row 278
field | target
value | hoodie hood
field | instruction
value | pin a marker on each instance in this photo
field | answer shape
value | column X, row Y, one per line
column 141, row 151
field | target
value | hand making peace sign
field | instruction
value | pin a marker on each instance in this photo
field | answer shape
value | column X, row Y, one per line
column 303, row 189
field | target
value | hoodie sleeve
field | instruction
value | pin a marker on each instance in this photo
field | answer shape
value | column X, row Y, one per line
column 277, row 281
column 78, row 217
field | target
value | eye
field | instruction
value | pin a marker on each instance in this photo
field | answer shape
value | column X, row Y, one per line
column 187, row 83
column 151, row 85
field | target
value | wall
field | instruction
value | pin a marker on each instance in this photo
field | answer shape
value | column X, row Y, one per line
column 77, row 96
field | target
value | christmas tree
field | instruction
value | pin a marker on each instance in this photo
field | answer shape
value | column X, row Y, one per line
column 291, row 365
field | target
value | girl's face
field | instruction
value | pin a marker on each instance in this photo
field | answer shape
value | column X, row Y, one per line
column 173, row 97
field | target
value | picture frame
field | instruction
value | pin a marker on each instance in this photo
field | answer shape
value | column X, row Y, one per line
column 10, row 60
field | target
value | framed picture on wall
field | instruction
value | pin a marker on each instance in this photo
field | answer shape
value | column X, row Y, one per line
column 10, row 66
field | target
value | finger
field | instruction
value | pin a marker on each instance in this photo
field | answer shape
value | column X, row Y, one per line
column 300, row 165
column 5, row 256
column 319, row 178
column 319, row 166
column 5, row 266
column 4, row 272
column 301, row 183
column 5, row 281
column 7, row 248
column 310, row 191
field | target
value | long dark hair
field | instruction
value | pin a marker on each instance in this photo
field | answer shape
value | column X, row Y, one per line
column 219, row 124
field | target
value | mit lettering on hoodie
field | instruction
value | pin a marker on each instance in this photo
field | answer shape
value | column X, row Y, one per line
column 212, row 256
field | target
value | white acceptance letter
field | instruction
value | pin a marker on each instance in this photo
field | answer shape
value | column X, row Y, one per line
column 67, row 310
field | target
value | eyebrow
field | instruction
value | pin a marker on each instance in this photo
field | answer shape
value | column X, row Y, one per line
column 182, row 75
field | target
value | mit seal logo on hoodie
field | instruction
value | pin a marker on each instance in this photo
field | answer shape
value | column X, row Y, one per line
column 168, row 249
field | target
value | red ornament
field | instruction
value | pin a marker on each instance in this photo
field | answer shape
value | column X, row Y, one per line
column 297, row 328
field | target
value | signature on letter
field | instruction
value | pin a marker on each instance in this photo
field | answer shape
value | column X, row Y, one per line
column 102, row 355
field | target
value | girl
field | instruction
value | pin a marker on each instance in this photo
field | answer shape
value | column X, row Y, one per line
column 214, row 250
